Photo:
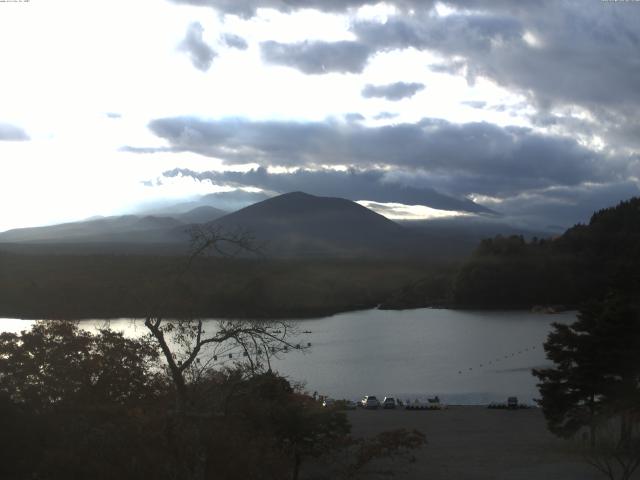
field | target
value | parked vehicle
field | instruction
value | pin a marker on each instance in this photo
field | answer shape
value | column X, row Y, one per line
column 370, row 401
column 417, row 404
column 434, row 403
column 389, row 402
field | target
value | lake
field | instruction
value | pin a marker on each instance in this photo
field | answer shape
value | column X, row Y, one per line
column 465, row 357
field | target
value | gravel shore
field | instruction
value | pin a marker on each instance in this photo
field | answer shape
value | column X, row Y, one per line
column 479, row 443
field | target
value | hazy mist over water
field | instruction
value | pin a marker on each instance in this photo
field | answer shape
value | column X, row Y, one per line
column 465, row 357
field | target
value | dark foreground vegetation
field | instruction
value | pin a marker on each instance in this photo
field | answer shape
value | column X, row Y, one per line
column 592, row 392
column 75, row 405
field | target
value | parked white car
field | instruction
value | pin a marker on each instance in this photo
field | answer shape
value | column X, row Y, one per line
column 370, row 401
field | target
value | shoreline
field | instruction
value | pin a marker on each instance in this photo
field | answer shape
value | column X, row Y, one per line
column 316, row 315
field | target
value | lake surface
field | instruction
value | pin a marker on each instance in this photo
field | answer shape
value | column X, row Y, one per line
column 465, row 357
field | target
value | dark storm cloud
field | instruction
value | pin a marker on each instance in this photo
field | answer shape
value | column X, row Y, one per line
column 393, row 91
column 234, row 41
column 564, row 206
column 353, row 184
column 551, row 208
column 318, row 57
column 199, row 52
column 584, row 53
column 579, row 53
column 248, row 8
column 12, row 133
column 454, row 34
column 468, row 158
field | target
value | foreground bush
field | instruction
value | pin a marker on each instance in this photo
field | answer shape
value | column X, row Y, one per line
column 74, row 405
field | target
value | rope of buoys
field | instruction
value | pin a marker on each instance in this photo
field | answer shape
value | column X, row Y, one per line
column 505, row 357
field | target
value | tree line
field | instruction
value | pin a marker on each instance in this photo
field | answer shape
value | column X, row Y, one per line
column 584, row 262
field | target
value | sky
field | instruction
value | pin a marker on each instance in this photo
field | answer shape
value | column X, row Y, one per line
column 525, row 111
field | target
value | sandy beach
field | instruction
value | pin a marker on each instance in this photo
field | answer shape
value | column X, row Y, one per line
column 478, row 443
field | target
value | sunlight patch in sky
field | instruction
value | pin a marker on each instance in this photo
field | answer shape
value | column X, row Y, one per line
column 398, row 211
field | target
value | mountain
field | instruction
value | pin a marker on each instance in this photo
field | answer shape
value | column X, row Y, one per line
column 127, row 228
column 291, row 225
column 202, row 214
column 298, row 225
column 117, row 229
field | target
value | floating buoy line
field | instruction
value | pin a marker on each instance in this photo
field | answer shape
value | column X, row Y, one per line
column 501, row 358
column 224, row 353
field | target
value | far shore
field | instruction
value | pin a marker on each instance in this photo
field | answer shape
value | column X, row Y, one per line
column 294, row 316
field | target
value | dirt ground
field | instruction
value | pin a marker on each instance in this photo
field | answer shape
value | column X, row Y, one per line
column 477, row 443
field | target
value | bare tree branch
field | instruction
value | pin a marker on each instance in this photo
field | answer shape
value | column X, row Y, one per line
column 183, row 341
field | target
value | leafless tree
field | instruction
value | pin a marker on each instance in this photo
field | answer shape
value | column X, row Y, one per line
column 194, row 348
column 189, row 350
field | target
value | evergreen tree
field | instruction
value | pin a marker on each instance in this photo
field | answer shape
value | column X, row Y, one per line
column 597, row 369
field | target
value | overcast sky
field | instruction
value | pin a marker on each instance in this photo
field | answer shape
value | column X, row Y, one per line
column 528, row 109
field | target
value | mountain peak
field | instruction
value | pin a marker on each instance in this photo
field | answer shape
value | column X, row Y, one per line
column 296, row 194
column 299, row 224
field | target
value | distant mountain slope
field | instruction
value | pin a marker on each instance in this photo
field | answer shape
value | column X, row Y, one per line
column 127, row 228
column 202, row 214
column 118, row 229
column 224, row 202
column 299, row 224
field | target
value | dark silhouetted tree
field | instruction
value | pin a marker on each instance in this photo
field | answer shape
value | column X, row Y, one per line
column 595, row 381
column 75, row 404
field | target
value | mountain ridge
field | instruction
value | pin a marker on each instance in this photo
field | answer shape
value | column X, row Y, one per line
column 292, row 225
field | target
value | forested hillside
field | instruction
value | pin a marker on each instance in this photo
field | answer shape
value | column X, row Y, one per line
column 509, row 272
